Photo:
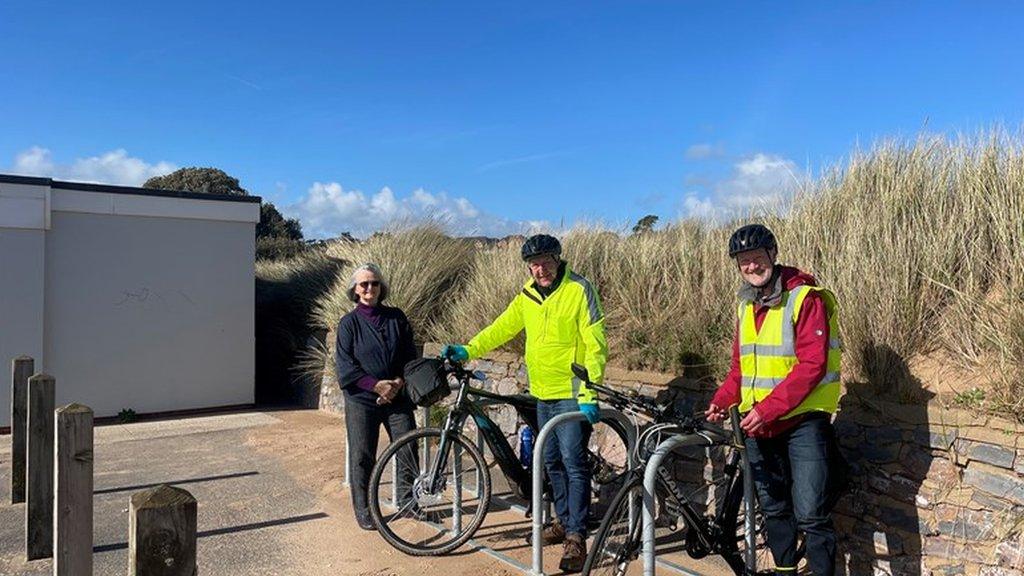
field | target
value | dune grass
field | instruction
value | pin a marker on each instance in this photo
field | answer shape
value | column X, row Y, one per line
column 921, row 240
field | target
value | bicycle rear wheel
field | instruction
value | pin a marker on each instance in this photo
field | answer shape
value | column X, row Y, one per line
column 425, row 514
column 617, row 542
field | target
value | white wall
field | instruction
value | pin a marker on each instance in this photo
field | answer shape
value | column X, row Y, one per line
column 23, row 217
column 130, row 300
column 152, row 314
column 21, row 304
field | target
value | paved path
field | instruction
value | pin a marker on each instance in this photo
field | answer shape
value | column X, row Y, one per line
column 266, row 506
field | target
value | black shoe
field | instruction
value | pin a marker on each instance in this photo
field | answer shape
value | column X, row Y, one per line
column 365, row 522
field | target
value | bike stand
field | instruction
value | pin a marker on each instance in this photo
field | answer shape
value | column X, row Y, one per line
column 537, row 568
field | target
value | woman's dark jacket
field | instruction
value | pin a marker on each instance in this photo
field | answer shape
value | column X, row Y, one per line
column 362, row 349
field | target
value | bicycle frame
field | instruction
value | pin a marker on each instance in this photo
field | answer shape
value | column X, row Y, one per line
column 504, row 455
column 705, row 537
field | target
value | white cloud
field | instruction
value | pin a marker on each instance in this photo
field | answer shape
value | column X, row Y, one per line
column 762, row 181
column 703, row 151
column 114, row 167
column 328, row 209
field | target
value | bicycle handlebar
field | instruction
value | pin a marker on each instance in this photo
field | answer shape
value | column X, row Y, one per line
column 658, row 412
column 456, row 368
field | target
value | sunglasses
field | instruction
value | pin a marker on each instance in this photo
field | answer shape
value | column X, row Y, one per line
column 369, row 283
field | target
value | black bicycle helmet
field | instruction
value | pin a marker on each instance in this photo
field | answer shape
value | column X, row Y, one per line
column 751, row 237
column 541, row 244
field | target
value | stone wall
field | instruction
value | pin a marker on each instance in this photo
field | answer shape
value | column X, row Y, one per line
column 936, row 490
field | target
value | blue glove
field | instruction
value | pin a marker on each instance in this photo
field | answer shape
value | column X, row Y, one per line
column 455, row 352
column 591, row 411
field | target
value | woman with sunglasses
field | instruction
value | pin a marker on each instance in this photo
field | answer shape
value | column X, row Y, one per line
column 373, row 344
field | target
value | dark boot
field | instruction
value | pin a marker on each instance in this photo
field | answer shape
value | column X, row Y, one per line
column 553, row 533
column 574, row 553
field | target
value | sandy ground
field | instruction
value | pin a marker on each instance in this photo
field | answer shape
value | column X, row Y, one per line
column 310, row 446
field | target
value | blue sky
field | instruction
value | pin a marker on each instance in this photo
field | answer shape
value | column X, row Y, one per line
column 500, row 115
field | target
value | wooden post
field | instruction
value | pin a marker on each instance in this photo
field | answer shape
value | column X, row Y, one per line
column 21, row 368
column 162, row 533
column 72, row 512
column 39, row 469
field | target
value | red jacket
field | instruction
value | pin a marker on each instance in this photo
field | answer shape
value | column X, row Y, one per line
column 812, row 344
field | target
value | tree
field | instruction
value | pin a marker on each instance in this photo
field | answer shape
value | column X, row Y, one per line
column 276, row 236
column 274, row 225
column 645, row 224
column 202, row 180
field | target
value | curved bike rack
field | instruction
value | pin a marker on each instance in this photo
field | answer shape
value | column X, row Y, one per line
column 538, row 474
column 650, row 478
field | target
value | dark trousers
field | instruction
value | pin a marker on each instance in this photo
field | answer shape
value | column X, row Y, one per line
column 362, row 424
column 791, row 475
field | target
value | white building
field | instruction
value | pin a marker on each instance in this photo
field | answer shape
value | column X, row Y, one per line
column 131, row 298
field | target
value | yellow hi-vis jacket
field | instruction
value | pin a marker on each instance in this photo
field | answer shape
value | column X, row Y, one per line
column 767, row 356
column 565, row 327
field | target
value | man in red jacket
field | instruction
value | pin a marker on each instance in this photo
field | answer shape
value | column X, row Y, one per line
column 785, row 379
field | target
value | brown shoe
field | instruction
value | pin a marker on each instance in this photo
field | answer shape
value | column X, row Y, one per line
column 553, row 533
column 574, row 553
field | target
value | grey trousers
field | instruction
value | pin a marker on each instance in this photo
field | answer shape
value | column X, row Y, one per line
column 362, row 424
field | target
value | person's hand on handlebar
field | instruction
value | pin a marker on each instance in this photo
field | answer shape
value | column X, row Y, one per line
column 715, row 413
column 752, row 422
column 455, row 352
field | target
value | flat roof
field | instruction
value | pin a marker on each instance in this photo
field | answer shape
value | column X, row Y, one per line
column 110, row 189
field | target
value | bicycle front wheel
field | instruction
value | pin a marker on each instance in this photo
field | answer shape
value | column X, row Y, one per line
column 736, row 549
column 425, row 501
column 617, row 542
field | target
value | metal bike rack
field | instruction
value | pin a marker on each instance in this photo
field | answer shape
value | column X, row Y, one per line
column 650, row 478
column 538, row 473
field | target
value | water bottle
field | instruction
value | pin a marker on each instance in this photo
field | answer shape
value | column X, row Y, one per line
column 526, row 447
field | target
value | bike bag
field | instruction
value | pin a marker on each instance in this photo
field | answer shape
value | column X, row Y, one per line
column 426, row 382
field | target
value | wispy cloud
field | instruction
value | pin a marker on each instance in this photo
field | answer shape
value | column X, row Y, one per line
column 327, row 210
column 704, row 151
column 521, row 160
column 240, row 80
column 113, row 167
column 762, row 181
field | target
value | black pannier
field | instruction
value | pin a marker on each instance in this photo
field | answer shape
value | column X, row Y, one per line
column 426, row 382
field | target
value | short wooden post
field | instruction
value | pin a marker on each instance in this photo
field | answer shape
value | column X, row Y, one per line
column 72, row 547
column 21, row 368
column 39, row 469
column 162, row 533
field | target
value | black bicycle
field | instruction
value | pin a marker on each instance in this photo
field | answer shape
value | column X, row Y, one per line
column 619, row 539
column 430, row 489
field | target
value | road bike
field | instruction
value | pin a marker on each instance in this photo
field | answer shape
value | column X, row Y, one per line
column 430, row 490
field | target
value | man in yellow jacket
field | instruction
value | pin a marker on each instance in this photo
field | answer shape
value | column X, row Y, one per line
column 564, row 323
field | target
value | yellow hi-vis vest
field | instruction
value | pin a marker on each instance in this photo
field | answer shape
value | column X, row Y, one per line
column 769, row 355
